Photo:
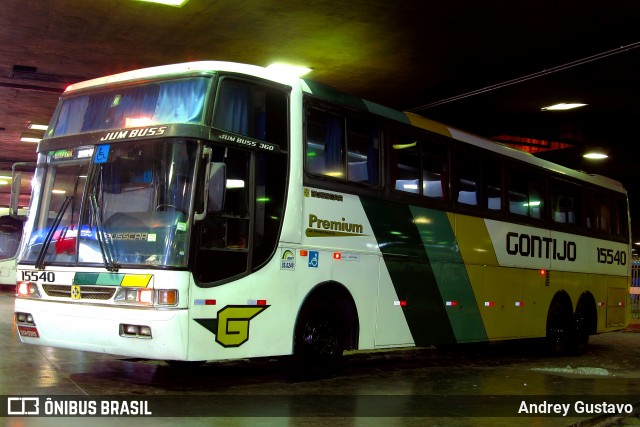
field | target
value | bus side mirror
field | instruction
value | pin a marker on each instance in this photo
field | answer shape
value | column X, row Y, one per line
column 216, row 188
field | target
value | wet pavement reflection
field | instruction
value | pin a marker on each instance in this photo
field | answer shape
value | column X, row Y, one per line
column 403, row 387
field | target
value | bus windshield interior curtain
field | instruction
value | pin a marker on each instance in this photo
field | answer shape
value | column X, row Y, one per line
column 233, row 108
column 181, row 102
column 71, row 116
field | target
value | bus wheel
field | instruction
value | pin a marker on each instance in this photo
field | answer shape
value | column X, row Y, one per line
column 319, row 341
column 560, row 328
column 583, row 328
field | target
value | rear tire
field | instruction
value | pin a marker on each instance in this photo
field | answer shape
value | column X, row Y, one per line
column 560, row 328
column 582, row 331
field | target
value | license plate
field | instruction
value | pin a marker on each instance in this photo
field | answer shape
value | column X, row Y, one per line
column 28, row 331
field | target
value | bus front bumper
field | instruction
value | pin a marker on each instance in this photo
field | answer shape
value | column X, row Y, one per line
column 124, row 331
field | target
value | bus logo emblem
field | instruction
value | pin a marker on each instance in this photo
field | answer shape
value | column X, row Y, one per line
column 75, row 292
column 231, row 328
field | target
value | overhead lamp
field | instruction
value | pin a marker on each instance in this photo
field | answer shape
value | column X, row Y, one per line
column 30, row 139
column 562, row 106
column 175, row 3
column 595, row 155
column 35, row 126
column 289, row 70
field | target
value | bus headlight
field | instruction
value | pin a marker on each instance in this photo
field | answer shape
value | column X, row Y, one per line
column 27, row 290
column 147, row 296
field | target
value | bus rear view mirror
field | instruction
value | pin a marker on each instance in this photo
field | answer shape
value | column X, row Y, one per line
column 217, row 187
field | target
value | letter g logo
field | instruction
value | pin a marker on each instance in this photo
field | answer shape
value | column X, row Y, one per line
column 231, row 328
column 233, row 324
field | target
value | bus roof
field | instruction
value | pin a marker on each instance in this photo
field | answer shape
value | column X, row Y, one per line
column 205, row 67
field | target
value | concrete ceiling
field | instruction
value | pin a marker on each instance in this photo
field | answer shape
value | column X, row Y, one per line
column 487, row 67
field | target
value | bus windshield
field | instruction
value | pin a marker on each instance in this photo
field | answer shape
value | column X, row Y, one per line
column 172, row 101
column 130, row 209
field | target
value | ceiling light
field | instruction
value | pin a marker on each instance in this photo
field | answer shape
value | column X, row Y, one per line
column 30, row 139
column 289, row 70
column 176, row 3
column 35, row 126
column 2, row 182
column 562, row 106
column 595, row 155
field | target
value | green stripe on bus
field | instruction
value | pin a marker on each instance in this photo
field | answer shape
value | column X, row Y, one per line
column 102, row 279
column 454, row 285
column 410, row 270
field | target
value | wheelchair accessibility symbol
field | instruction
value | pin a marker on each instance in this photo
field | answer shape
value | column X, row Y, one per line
column 313, row 259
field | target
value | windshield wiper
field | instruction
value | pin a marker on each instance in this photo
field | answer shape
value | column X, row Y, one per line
column 103, row 238
column 47, row 240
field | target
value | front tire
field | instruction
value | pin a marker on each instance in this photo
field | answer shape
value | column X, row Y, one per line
column 319, row 341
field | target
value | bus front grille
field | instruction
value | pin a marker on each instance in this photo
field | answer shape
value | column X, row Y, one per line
column 86, row 292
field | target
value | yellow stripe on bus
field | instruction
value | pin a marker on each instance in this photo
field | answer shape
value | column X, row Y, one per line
column 136, row 280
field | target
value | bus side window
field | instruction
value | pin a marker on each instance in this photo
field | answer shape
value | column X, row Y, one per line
column 254, row 110
column 434, row 170
column 620, row 223
column 603, row 213
column 325, row 144
column 405, row 163
column 566, row 201
column 492, row 184
column 525, row 193
column 363, row 148
column 468, row 172
column 574, row 205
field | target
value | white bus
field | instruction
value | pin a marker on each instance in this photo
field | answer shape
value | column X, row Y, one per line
column 12, row 220
column 212, row 210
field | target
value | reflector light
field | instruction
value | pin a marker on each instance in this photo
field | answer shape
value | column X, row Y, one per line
column 400, row 303
column 543, row 272
column 204, row 302
column 337, row 255
column 519, row 303
column 261, row 302
column 452, row 303
column 488, row 304
column 621, row 304
column 304, row 252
